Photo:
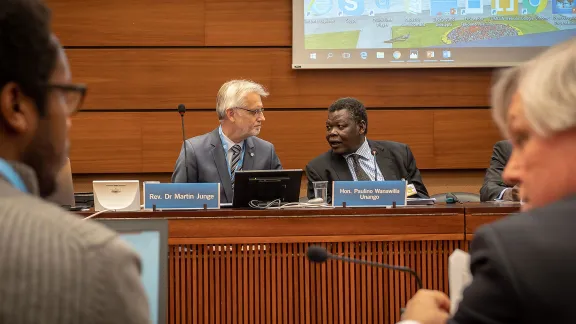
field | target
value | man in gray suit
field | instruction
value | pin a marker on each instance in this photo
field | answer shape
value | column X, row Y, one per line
column 55, row 268
column 216, row 156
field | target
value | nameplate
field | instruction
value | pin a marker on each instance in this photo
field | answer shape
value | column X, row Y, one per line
column 182, row 195
column 369, row 193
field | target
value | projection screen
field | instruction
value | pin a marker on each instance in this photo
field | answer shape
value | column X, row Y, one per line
column 426, row 33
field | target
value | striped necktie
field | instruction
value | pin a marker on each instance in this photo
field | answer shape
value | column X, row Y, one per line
column 360, row 173
column 236, row 149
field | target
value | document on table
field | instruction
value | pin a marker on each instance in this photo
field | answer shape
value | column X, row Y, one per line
column 459, row 277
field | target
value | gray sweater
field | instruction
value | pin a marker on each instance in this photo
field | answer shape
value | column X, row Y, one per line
column 56, row 268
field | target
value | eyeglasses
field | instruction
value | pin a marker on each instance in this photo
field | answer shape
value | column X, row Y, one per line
column 254, row 112
column 74, row 93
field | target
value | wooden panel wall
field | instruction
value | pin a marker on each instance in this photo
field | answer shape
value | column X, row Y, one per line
column 141, row 58
column 135, row 142
column 274, row 283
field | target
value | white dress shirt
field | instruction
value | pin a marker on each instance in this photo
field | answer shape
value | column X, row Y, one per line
column 366, row 162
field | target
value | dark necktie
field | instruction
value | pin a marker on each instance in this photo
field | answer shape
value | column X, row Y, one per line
column 236, row 149
column 360, row 174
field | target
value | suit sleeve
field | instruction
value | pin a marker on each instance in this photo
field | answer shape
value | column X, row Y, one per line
column 179, row 174
column 120, row 297
column 491, row 297
column 493, row 185
column 414, row 176
column 275, row 160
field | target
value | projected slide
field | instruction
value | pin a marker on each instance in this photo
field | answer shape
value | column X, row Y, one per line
column 474, row 32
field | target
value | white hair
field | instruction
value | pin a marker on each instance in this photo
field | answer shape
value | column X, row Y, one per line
column 547, row 87
column 232, row 94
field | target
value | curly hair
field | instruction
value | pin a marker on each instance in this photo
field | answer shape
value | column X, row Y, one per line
column 27, row 53
column 355, row 108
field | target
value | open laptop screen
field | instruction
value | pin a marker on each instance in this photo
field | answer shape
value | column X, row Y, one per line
column 150, row 240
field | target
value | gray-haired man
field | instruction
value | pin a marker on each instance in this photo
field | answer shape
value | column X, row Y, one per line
column 216, row 156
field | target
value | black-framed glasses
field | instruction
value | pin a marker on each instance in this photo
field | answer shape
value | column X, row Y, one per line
column 254, row 112
column 74, row 94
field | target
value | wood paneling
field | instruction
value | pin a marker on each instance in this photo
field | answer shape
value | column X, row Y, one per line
column 478, row 214
column 132, row 142
column 163, row 78
column 153, row 55
column 106, row 143
column 275, row 283
column 242, row 22
column 373, row 223
column 462, row 139
column 299, row 136
column 128, row 22
column 162, row 136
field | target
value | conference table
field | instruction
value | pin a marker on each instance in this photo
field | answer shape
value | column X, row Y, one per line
column 250, row 266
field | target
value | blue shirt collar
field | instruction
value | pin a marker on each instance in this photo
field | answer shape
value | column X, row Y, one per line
column 226, row 142
column 8, row 172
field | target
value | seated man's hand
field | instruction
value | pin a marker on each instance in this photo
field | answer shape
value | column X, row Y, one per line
column 512, row 194
column 428, row 307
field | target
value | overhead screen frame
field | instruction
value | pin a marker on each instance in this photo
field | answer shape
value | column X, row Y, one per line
column 298, row 49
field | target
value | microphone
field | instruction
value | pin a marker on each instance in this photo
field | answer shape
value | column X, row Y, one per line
column 182, row 111
column 374, row 152
column 319, row 254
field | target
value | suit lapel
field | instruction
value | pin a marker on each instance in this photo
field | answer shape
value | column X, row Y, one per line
column 341, row 168
column 249, row 155
column 220, row 161
column 384, row 160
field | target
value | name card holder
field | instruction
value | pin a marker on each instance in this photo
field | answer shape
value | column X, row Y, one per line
column 180, row 196
column 369, row 193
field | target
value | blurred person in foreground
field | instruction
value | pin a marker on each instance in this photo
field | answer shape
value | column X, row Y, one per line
column 55, row 268
column 494, row 187
column 523, row 265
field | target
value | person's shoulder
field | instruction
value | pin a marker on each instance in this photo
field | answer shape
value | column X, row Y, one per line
column 260, row 143
column 504, row 145
column 320, row 160
column 29, row 216
column 200, row 139
column 390, row 145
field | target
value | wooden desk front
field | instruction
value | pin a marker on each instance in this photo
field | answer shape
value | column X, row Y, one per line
column 250, row 266
column 478, row 214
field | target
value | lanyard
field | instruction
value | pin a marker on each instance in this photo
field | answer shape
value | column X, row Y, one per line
column 225, row 146
column 8, row 173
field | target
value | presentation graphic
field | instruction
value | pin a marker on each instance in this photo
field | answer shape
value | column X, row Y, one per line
column 413, row 24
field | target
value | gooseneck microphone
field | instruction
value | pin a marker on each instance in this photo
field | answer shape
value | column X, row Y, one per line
column 182, row 111
column 319, row 254
column 374, row 152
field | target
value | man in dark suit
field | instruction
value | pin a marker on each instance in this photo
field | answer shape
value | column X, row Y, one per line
column 494, row 187
column 352, row 155
column 523, row 265
column 216, row 156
